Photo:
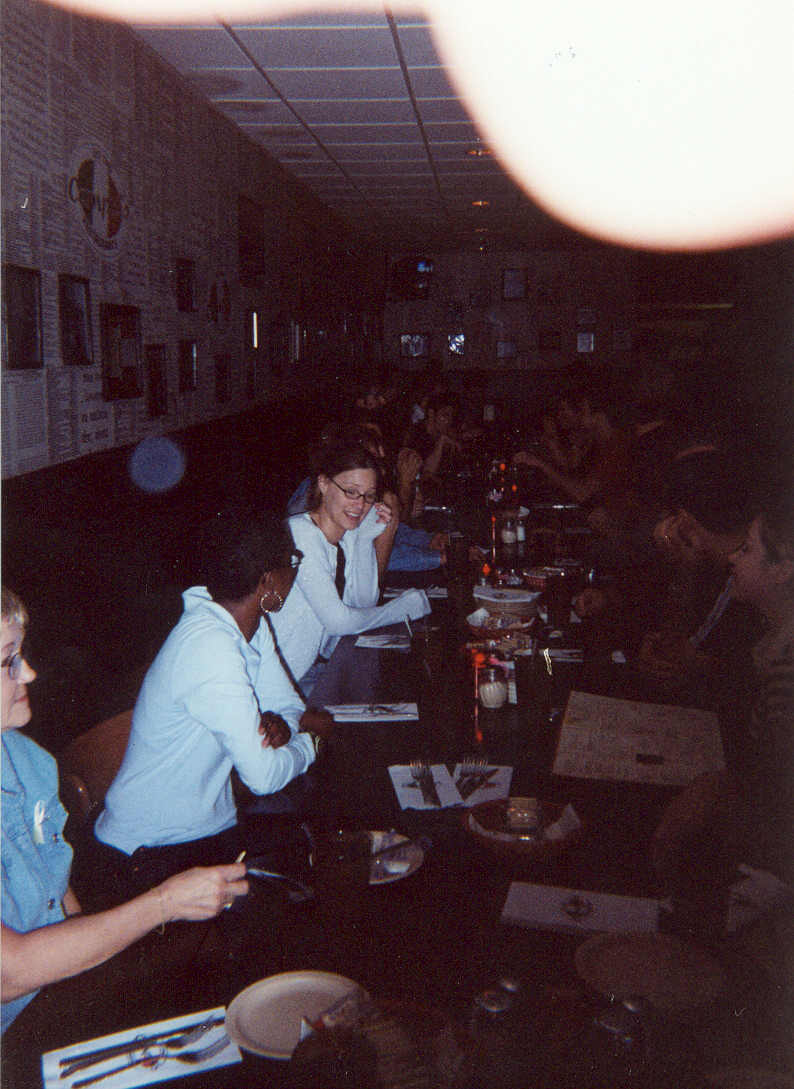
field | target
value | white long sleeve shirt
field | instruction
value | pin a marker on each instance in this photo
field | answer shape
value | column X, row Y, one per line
column 314, row 617
column 197, row 717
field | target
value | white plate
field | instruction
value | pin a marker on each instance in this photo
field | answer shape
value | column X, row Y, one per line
column 412, row 853
column 265, row 1018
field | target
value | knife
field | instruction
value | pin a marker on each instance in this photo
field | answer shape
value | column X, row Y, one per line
column 88, row 1058
column 427, row 785
column 470, row 783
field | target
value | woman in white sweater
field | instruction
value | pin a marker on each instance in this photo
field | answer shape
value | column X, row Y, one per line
column 337, row 589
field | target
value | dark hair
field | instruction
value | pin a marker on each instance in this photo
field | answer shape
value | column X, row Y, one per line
column 713, row 488
column 334, row 458
column 237, row 547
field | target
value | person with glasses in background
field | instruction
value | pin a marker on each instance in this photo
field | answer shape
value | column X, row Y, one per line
column 45, row 935
column 337, row 587
column 215, row 699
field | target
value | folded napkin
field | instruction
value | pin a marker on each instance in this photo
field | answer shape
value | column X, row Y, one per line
column 547, row 907
column 439, row 592
column 139, row 1074
column 483, row 785
column 373, row 712
column 384, row 641
column 438, row 793
column 443, row 790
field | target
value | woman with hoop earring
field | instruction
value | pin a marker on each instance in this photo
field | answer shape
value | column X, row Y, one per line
column 214, row 700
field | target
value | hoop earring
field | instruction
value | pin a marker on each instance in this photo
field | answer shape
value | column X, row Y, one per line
column 263, row 608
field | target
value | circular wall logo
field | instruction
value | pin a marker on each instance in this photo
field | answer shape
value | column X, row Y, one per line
column 94, row 190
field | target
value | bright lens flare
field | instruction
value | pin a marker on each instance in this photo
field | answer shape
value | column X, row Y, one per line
column 665, row 126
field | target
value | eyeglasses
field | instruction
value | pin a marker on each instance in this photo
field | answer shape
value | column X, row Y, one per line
column 351, row 493
column 13, row 663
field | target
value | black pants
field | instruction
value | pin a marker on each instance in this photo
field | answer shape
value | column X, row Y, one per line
column 124, row 876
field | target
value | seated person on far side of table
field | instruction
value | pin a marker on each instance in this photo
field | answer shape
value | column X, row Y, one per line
column 693, row 633
column 434, row 438
column 749, row 809
column 337, row 587
column 45, row 935
column 604, row 484
column 216, row 698
column 411, row 548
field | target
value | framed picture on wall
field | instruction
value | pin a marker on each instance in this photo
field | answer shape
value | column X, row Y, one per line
column 456, row 343
column 514, row 283
column 188, row 366
column 122, row 368
column 74, row 314
column 22, row 347
column 414, row 345
column 156, row 381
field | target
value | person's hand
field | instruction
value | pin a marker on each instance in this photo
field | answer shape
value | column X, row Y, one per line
column 680, row 538
column 439, row 542
column 658, row 656
column 409, row 462
column 386, row 508
column 688, row 814
column 315, row 721
column 274, row 730
column 668, row 657
column 590, row 603
column 201, row 892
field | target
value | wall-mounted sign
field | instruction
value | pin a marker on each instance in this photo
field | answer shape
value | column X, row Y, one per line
column 94, row 190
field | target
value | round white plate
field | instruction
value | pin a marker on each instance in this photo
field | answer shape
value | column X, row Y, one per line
column 379, row 871
column 265, row 1018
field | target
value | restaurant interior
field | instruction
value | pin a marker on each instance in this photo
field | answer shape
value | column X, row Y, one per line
column 221, row 235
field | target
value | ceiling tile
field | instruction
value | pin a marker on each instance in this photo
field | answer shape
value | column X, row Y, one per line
column 322, row 48
column 340, row 83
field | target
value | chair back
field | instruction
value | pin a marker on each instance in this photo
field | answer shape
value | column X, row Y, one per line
column 88, row 765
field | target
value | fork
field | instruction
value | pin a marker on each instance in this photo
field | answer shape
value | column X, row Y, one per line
column 423, row 774
column 472, row 770
column 180, row 1039
column 190, row 1057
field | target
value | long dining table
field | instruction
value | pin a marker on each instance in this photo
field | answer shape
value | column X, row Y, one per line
column 433, row 940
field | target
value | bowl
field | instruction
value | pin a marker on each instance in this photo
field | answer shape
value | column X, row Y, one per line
column 507, row 601
column 496, row 626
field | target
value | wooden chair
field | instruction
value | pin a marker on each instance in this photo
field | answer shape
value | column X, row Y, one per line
column 88, row 766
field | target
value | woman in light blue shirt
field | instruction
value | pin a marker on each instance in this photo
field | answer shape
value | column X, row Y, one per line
column 44, row 934
column 212, row 701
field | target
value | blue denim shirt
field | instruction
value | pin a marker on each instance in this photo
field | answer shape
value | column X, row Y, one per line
column 36, row 859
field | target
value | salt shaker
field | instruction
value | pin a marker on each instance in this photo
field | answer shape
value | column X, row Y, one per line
column 492, row 687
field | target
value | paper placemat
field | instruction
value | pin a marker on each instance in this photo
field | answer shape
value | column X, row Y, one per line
column 623, row 740
column 383, row 641
column 548, row 907
column 373, row 712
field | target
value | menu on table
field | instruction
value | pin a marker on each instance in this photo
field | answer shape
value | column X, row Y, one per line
column 606, row 738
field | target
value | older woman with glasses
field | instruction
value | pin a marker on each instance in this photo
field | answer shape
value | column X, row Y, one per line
column 44, row 933
column 337, row 588
column 216, row 698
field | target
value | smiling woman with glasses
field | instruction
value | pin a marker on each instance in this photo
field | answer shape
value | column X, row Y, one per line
column 44, row 933
column 337, row 587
